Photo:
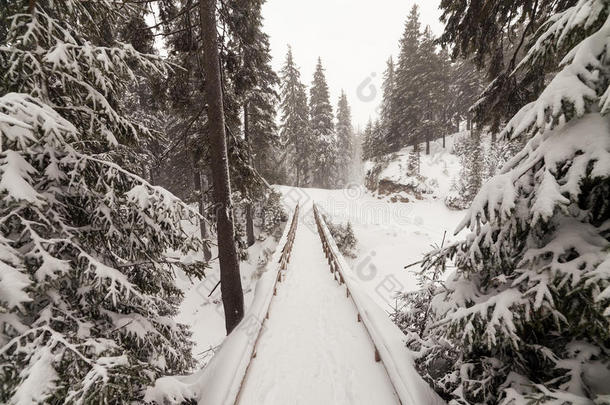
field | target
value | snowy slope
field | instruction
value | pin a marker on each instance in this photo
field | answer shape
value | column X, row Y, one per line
column 438, row 170
column 390, row 235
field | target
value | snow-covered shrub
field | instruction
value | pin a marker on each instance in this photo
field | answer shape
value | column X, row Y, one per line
column 240, row 241
column 273, row 214
column 528, row 308
column 466, row 186
column 87, row 295
column 344, row 237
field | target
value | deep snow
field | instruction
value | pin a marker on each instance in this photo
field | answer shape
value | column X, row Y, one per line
column 313, row 351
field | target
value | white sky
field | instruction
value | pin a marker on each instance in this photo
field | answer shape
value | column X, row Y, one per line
column 354, row 38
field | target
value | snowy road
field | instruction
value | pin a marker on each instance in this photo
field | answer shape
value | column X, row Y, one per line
column 312, row 350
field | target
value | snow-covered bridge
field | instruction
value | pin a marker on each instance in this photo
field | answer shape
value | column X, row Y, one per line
column 311, row 336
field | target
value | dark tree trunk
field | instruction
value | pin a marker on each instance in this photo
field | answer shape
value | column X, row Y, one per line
column 201, row 183
column 427, row 144
column 249, row 219
column 230, row 280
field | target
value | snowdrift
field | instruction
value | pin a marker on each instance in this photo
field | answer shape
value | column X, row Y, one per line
column 220, row 381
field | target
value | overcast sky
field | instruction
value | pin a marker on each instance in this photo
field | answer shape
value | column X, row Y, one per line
column 354, row 38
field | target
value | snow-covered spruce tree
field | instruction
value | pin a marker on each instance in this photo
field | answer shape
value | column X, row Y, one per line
column 345, row 142
column 294, row 128
column 528, row 308
column 407, row 114
column 86, row 291
column 324, row 148
column 387, row 111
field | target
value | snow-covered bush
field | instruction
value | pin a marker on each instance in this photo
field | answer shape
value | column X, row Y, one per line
column 527, row 311
column 467, row 184
column 344, row 237
column 86, row 291
column 240, row 241
column 273, row 214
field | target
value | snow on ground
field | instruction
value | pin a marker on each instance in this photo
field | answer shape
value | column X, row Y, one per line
column 204, row 312
column 302, row 345
column 390, row 235
column 312, row 350
column 439, row 169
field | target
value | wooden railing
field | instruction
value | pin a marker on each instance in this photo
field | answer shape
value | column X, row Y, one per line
column 283, row 265
column 336, row 269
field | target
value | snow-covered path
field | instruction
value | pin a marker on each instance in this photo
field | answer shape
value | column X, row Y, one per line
column 312, row 350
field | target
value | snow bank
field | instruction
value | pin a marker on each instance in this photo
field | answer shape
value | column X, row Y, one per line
column 220, row 381
column 387, row 338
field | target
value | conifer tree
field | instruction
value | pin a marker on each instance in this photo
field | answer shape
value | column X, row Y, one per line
column 429, row 96
column 295, row 133
column 408, row 113
column 368, row 143
column 263, row 131
column 345, row 141
column 88, row 292
column 495, row 38
column 526, row 313
column 324, row 147
column 388, row 109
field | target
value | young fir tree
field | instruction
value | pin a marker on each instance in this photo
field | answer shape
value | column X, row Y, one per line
column 324, row 148
column 345, row 142
column 86, row 281
column 294, row 129
column 527, row 311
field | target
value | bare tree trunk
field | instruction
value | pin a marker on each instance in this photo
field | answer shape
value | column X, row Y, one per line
column 427, row 144
column 230, row 280
column 298, row 175
column 249, row 219
column 201, row 181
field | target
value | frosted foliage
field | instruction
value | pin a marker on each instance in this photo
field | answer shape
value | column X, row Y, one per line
column 526, row 315
column 86, row 289
column 581, row 85
column 536, row 264
column 52, row 54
